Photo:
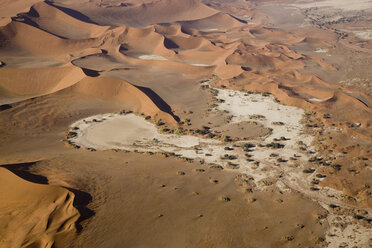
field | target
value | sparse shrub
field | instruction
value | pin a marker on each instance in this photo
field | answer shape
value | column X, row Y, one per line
column 275, row 145
column 211, row 135
column 309, row 170
column 231, row 165
column 315, row 181
column 337, row 167
column 224, row 198
column 71, row 134
column 280, row 160
column 216, row 166
column 160, row 123
column 278, row 123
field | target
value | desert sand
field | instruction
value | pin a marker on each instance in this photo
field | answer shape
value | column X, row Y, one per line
column 169, row 123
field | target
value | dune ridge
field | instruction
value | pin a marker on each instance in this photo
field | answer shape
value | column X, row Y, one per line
column 46, row 212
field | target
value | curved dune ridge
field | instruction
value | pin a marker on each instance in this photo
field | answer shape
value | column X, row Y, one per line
column 218, row 21
column 146, row 13
column 132, row 97
column 39, row 81
column 46, row 212
column 21, row 38
column 55, row 21
column 10, row 8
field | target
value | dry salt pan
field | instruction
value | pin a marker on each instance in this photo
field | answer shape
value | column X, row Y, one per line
column 131, row 132
column 321, row 50
column 152, row 57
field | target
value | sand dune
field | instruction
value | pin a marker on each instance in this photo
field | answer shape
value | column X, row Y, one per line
column 218, row 21
column 143, row 14
column 144, row 41
column 20, row 38
column 10, row 8
column 33, row 82
column 46, row 212
column 52, row 20
column 131, row 97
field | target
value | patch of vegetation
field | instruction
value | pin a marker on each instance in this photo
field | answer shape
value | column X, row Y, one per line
column 211, row 135
column 257, row 117
column 315, row 181
column 326, row 116
column 160, row 123
column 216, row 166
column 231, row 165
column 314, row 188
column 278, row 123
column 281, row 139
column 247, row 146
column 228, row 157
column 71, row 134
column 275, row 145
column 309, row 170
column 337, row 167
column 224, row 198
column 281, row 160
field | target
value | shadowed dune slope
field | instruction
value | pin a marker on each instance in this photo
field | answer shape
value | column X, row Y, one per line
column 10, row 8
column 46, row 212
column 18, row 37
column 133, row 98
column 144, row 41
column 218, row 21
column 53, row 20
column 143, row 14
